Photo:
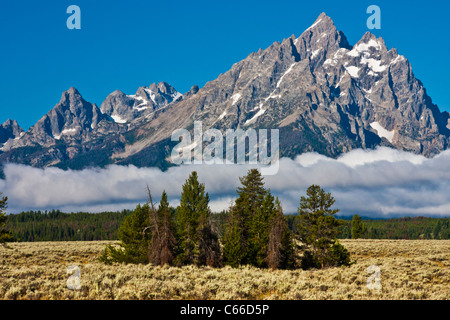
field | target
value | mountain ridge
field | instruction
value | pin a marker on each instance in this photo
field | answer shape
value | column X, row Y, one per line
column 323, row 94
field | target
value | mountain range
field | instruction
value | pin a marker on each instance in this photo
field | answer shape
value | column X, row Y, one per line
column 323, row 94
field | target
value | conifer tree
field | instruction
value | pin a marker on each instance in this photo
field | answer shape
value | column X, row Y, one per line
column 259, row 231
column 163, row 242
column 5, row 236
column 135, row 238
column 167, row 229
column 241, row 235
column 280, row 253
column 235, row 244
column 318, row 229
column 209, row 246
column 197, row 242
column 358, row 227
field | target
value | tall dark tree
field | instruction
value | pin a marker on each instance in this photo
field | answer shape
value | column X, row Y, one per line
column 280, row 252
column 167, row 229
column 234, row 240
column 259, row 231
column 318, row 228
column 198, row 244
column 240, row 237
column 161, row 251
column 209, row 245
column 358, row 227
column 5, row 235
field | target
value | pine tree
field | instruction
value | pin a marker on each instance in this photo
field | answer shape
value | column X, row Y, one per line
column 358, row 227
column 280, row 253
column 197, row 244
column 318, row 228
column 135, row 238
column 241, row 235
column 163, row 242
column 167, row 229
column 252, row 192
column 209, row 246
column 259, row 231
column 235, row 244
column 5, row 236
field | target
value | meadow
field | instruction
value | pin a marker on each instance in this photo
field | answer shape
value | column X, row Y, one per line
column 410, row 269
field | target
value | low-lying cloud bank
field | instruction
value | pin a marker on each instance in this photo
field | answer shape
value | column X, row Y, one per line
column 378, row 183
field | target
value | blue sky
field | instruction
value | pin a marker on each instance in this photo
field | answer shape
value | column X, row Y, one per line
column 126, row 44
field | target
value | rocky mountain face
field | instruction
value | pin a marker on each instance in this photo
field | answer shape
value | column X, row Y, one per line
column 65, row 131
column 323, row 95
column 10, row 130
column 124, row 108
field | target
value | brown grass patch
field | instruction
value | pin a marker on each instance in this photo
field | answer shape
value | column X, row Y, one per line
column 410, row 269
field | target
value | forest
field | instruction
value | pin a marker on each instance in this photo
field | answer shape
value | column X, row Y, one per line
column 55, row 225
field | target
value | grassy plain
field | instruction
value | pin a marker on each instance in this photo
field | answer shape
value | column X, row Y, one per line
column 410, row 269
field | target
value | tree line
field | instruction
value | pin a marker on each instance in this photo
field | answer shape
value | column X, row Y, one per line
column 254, row 230
column 55, row 225
column 407, row 228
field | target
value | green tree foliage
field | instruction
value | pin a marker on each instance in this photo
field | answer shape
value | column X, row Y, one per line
column 5, row 235
column 135, row 238
column 441, row 229
column 401, row 228
column 163, row 233
column 197, row 244
column 318, row 228
column 358, row 227
column 259, row 231
column 55, row 225
column 242, row 234
column 234, row 241
column 280, row 252
column 249, row 237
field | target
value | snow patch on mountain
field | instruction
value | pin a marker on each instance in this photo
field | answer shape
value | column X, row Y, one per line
column 118, row 119
column 382, row 132
column 353, row 71
column 235, row 98
column 256, row 116
column 284, row 74
column 364, row 47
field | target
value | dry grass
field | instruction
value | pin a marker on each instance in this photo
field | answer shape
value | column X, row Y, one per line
column 409, row 270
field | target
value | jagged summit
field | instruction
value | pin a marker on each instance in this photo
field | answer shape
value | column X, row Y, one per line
column 10, row 129
column 124, row 108
column 323, row 94
column 322, row 24
column 323, row 36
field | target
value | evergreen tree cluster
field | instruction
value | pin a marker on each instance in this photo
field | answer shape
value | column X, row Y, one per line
column 165, row 236
column 257, row 232
column 254, row 230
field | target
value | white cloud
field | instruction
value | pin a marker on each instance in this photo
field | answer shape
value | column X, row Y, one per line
column 377, row 182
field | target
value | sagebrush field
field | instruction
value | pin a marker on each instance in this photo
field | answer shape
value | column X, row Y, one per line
column 410, row 269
